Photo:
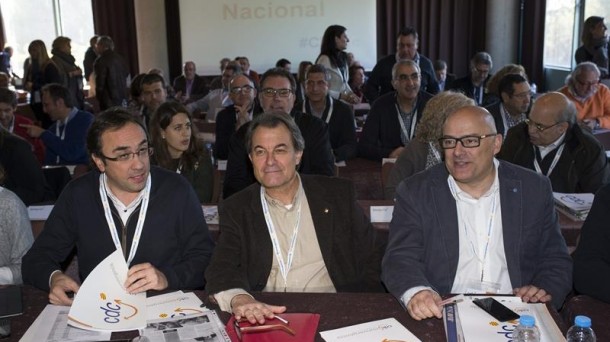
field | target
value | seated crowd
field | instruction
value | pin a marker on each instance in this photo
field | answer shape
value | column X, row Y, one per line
column 477, row 161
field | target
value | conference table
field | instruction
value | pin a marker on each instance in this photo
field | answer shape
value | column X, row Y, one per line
column 336, row 310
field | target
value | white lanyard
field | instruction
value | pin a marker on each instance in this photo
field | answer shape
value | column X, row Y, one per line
column 63, row 133
column 284, row 267
column 489, row 229
column 408, row 133
column 110, row 220
column 435, row 153
column 553, row 164
column 330, row 110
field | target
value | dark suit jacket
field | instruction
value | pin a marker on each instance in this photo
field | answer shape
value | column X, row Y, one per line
column 464, row 85
column 244, row 253
column 198, row 89
column 496, row 112
column 225, row 127
column 423, row 245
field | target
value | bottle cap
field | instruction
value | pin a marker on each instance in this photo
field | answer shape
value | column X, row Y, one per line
column 582, row 321
column 527, row 321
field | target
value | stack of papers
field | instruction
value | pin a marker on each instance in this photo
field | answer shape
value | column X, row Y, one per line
column 576, row 206
column 388, row 329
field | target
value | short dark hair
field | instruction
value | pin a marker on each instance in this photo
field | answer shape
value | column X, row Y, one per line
column 282, row 63
column 150, row 79
column 111, row 119
column 407, row 31
column 320, row 69
column 440, row 64
column 57, row 91
column 507, row 84
column 8, row 96
column 272, row 120
column 279, row 72
column 106, row 42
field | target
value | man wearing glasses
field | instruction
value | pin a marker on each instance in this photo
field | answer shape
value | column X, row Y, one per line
column 474, row 225
column 591, row 98
column 515, row 100
column 277, row 95
column 553, row 144
column 473, row 85
column 242, row 93
column 152, row 215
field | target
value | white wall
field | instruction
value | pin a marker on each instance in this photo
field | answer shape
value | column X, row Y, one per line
column 502, row 31
column 152, row 36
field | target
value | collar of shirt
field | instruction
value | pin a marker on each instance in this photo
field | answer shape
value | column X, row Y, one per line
column 461, row 195
column 70, row 116
column 123, row 210
column 288, row 207
column 544, row 150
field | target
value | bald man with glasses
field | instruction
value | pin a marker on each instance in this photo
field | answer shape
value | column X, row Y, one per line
column 474, row 225
column 551, row 143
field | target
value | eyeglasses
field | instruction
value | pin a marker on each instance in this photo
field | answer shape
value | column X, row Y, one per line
column 402, row 78
column 270, row 92
column 244, row 90
column 480, row 71
column 587, row 84
column 524, row 95
column 469, row 141
column 142, row 153
column 240, row 330
column 540, row 127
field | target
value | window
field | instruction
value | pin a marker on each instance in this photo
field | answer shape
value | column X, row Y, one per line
column 27, row 20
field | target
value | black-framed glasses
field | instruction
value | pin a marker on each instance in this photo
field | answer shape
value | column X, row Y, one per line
column 270, row 92
column 244, row 90
column 404, row 77
column 244, row 327
column 469, row 141
column 541, row 127
column 142, row 153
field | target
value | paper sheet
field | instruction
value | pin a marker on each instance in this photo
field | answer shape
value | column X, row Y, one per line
column 385, row 329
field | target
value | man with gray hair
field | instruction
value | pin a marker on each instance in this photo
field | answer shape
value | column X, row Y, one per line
column 289, row 232
column 110, row 75
column 591, row 98
column 553, row 144
column 473, row 85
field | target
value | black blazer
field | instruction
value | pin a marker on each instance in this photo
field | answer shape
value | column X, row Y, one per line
column 198, row 90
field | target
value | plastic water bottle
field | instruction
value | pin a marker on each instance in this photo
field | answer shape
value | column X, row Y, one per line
column 526, row 331
column 581, row 330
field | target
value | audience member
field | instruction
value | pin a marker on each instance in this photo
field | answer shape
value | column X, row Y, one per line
column 356, row 82
column 333, row 57
column 381, row 80
column 594, row 46
column 22, row 173
column 443, row 78
column 473, row 85
column 245, row 67
column 284, row 64
column 515, row 99
column 169, row 245
column 152, row 94
column 277, row 94
column 41, row 70
column 217, row 81
column 492, row 91
column 336, row 249
column 391, row 123
column 424, row 151
column 90, row 57
column 135, row 105
column 189, row 86
column 15, row 235
column 591, row 98
column 12, row 122
column 71, row 74
column 338, row 116
column 217, row 99
column 177, row 149
column 169, row 90
column 551, row 143
column 5, row 80
column 592, row 255
column 65, row 140
column 432, row 252
column 5, row 61
column 243, row 94
column 110, row 75
column 300, row 92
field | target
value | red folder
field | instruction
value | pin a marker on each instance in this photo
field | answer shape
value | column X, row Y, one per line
column 305, row 326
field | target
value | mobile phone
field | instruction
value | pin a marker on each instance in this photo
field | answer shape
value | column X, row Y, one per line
column 496, row 309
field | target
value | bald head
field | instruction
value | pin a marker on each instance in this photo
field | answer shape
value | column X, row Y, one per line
column 554, row 106
column 471, row 115
column 189, row 70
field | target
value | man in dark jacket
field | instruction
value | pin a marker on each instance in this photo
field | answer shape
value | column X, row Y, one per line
column 110, row 75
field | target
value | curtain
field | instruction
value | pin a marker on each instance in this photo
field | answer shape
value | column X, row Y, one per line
column 532, row 52
column 2, row 34
column 116, row 18
column 174, row 40
column 452, row 30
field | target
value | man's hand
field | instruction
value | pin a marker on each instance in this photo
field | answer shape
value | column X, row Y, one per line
column 425, row 304
column 144, row 277
column 33, row 130
column 532, row 294
column 60, row 284
column 242, row 115
column 244, row 306
column 396, row 152
column 588, row 124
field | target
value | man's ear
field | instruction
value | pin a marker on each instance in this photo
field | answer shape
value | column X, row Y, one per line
column 98, row 162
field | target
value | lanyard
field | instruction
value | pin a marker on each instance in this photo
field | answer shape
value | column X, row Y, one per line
column 330, row 109
column 435, row 153
column 112, row 226
column 490, row 225
column 284, row 266
column 407, row 133
column 553, row 164
column 61, row 136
